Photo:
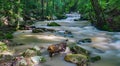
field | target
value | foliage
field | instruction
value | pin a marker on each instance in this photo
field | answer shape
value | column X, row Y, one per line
column 8, row 36
column 16, row 11
column 3, row 47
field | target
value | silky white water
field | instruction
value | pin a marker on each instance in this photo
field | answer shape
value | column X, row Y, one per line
column 108, row 42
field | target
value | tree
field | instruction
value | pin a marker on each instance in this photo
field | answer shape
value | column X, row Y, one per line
column 98, row 13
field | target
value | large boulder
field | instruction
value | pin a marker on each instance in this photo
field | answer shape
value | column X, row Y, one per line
column 78, row 59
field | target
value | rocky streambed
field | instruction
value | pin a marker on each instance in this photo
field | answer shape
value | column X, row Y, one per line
column 98, row 43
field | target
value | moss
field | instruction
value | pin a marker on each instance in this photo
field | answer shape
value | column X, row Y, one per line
column 75, row 58
column 37, row 31
column 53, row 24
column 96, row 58
column 79, row 50
column 32, row 52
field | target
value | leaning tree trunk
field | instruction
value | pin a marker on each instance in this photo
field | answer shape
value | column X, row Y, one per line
column 42, row 11
column 99, row 14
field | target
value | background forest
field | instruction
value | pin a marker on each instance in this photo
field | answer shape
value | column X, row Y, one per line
column 104, row 14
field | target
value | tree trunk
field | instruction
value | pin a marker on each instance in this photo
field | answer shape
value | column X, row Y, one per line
column 42, row 11
column 99, row 14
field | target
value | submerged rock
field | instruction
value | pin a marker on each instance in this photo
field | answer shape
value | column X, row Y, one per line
column 53, row 24
column 78, row 59
column 65, row 33
column 41, row 30
column 38, row 59
column 37, row 30
column 94, row 59
column 83, row 41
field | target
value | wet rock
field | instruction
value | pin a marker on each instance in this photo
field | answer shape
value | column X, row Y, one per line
column 65, row 33
column 32, row 27
column 37, row 30
column 78, row 59
column 24, row 27
column 68, row 33
column 51, row 30
column 22, row 62
column 4, row 57
column 83, row 41
column 53, row 24
column 38, row 59
column 32, row 52
column 29, row 61
column 94, row 59
column 98, row 50
column 76, row 19
column 19, row 61
column 79, row 50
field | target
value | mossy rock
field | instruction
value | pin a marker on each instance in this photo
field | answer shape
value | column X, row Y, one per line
column 38, row 59
column 36, row 30
column 86, row 40
column 53, row 24
column 76, row 58
column 32, row 52
column 94, row 59
column 79, row 50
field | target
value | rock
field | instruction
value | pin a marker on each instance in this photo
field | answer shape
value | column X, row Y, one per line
column 94, row 59
column 68, row 33
column 37, row 30
column 53, row 24
column 82, row 41
column 98, row 50
column 29, row 61
column 76, row 19
column 65, row 33
column 78, row 59
column 33, row 27
column 22, row 62
column 4, row 57
column 36, row 48
column 51, row 30
column 79, row 50
column 38, row 59
column 32, row 52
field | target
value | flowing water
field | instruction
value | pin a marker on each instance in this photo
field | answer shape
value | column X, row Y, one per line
column 107, row 44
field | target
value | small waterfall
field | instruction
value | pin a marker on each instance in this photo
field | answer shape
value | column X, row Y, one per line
column 70, row 18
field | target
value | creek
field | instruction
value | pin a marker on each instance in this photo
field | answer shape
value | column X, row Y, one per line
column 106, row 44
